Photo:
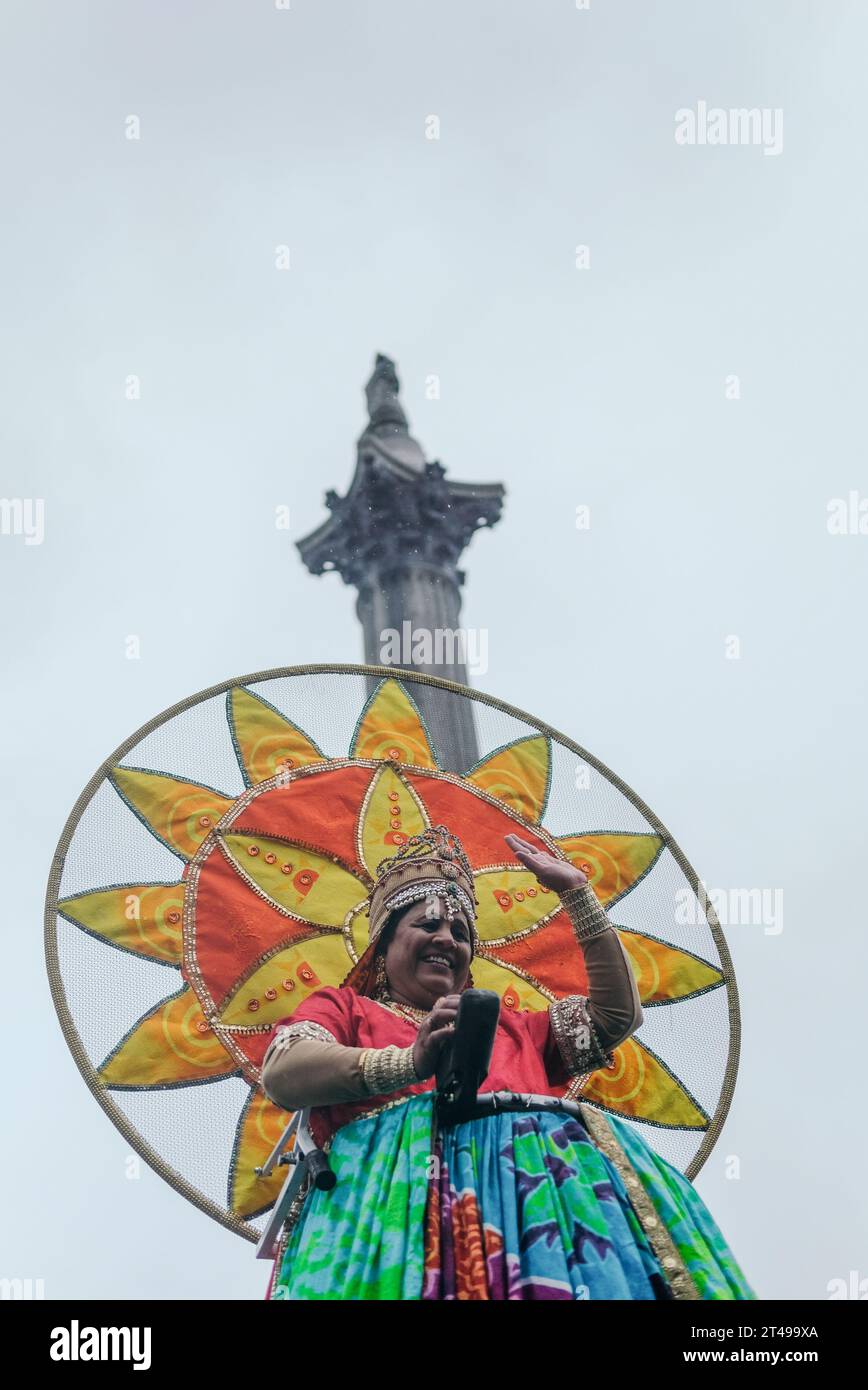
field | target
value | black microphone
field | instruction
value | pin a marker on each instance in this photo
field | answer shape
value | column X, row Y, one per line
column 466, row 1056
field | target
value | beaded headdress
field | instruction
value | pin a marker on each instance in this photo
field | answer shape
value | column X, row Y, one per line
column 431, row 865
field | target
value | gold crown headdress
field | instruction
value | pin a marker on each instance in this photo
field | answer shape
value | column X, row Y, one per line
column 432, row 863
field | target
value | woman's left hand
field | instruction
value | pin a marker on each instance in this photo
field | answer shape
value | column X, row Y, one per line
column 551, row 872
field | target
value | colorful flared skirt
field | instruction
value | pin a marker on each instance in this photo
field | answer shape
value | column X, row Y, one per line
column 517, row 1205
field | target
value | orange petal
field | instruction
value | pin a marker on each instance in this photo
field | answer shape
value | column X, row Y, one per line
column 168, row 1045
column 519, row 775
column 481, row 824
column 391, row 726
column 390, row 815
column 319, row 808
column 640, row 1087
column 550, row 956
column 179, row 813
column 311, row 887
column 259, row 1128
column 143, row 918
column 290, row 976
column 613, row 860
column 265, row 741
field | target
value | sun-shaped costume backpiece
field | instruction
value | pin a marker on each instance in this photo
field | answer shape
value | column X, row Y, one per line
column 198, row 897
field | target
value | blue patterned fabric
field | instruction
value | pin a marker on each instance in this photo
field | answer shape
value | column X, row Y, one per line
column 515, row 1205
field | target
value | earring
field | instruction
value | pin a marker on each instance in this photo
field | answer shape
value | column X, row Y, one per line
column 381, row 979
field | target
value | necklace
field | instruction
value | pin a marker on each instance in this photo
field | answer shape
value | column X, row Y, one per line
column 407, row 1011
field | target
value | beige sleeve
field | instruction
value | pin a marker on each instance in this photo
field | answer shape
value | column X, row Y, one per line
column 305, row 1071
column 613, row 1003
column 304, row 1065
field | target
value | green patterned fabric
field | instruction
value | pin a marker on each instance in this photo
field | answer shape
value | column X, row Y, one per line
column 365, row 1238
column 700, row 1243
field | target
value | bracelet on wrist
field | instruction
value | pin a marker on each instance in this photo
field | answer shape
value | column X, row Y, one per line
column 585, row 911
column 389, row 1068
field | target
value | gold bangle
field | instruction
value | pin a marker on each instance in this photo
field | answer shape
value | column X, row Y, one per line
column 388, row 1068
column 585, row 911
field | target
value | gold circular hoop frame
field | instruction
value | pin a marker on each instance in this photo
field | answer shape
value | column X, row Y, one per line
column 58, row 993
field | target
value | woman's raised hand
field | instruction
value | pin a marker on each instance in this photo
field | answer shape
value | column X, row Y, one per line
column 433, row 1032
column 551, row 872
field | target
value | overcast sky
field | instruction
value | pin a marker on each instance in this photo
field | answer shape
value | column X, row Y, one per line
column 697, row 380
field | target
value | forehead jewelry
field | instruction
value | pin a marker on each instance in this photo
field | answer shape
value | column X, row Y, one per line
column 452, row 894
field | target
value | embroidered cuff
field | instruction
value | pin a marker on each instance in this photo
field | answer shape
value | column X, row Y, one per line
column 303, row 1029
column 584, row 910
column 388, row 1068
column 576, row 1036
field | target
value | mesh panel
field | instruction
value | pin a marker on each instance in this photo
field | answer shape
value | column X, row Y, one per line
column 192, row 1126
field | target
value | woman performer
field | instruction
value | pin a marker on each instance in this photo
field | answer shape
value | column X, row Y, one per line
column 524, row 1202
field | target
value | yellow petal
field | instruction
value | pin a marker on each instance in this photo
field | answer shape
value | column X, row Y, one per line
column 641, row 1088
column 168, row 1046
column 612, row 860
column 314, row 890
column 261, row 1125
column 391, row 726
column 290, row 976
column 179, row 813
column 512, row 989
column 264, row 739
column 510, row 901
column 664, row 972
column 518, row 775
column 144, row 918
column 358, row 933
column 388, row 800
